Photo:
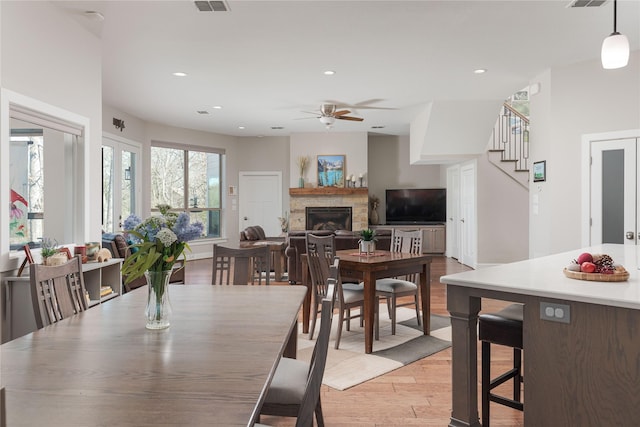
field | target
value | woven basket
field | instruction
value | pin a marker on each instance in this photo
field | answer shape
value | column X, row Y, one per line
column 620, row 275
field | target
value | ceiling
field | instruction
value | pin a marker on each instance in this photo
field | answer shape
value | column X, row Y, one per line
column 263, row 61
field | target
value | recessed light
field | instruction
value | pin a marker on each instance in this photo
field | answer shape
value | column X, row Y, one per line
column 180, row 74
column 480, row 71
column 329, row 73
column 241, row 127
column 217, row 107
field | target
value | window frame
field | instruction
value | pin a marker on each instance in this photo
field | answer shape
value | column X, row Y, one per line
column 186, row 148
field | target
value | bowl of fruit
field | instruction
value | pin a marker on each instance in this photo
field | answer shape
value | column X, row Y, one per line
column 596, row 267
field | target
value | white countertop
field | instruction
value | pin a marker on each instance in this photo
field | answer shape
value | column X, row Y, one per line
column 543, row 277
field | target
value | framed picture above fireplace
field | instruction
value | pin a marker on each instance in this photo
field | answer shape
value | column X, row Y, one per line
column 331, row 170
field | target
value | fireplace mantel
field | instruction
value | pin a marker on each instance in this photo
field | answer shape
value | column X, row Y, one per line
column 328, row 191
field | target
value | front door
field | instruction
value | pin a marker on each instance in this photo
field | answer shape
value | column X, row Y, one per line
column 261, row 201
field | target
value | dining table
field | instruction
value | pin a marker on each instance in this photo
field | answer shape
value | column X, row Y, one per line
column 581, row 338
column 101, row 367
column 366, row 268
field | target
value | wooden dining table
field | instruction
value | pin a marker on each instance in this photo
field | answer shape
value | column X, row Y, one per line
column 369, row 268
column 212, row 366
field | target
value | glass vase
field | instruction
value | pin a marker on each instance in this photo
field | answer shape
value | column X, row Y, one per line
column 158, row 311
column 301, row 182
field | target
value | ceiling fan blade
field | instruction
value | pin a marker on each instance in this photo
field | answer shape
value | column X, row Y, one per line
column 354, row 119
column 341, row 112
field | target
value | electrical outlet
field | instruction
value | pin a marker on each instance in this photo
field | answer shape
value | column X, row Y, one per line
column 555, row 312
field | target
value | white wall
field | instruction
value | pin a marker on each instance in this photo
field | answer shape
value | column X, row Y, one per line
column 56, row 62
column 502, row 216
column 579, row 99
column 389, row 168
column 352, row 144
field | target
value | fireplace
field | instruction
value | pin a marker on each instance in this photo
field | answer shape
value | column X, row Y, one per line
column 328, row 218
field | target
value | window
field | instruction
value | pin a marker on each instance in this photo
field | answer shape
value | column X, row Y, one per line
column 190, row 180
column 27, row 187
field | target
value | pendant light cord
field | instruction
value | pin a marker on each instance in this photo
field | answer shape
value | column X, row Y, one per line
column 615, row 16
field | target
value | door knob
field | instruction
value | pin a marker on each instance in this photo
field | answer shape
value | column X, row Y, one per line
column 630, row 235
column 245, row 218
column 462, row 220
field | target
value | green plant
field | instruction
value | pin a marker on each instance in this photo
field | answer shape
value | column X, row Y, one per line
column 368, row 235
column 49, row 247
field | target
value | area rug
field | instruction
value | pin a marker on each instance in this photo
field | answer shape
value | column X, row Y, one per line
column 350, row 366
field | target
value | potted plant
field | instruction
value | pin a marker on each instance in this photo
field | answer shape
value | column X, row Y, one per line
column 48, row 249
column 367, row 242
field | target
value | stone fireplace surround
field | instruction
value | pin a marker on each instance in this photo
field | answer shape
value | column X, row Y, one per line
column 356, row 198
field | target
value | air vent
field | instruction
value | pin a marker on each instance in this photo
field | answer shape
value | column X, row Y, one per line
column 587, row 3
column 277, row 127
column 211, row 6
column 202, row 112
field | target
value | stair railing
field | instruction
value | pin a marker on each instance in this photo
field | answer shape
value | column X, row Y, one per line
column 511, row 137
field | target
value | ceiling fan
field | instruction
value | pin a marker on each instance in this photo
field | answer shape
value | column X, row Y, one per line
column 329, row 113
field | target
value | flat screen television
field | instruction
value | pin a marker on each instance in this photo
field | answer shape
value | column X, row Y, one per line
column 416, row 206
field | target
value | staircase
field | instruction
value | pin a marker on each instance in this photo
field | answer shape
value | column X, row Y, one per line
column 509, row 145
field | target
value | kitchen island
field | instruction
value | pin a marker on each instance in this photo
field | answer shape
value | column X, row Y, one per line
column 581, row 358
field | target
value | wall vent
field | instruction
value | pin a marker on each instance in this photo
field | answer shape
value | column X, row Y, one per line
column 212, row 6
column 587, row 3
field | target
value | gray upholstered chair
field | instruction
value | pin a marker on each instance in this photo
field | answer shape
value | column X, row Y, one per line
column 240, row 266
column 393, row 288
column 295, row 388
column 57, row 292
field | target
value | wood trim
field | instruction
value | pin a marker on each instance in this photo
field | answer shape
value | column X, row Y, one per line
column 327, row 191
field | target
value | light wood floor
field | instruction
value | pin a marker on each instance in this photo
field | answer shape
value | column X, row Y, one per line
column 418, row 394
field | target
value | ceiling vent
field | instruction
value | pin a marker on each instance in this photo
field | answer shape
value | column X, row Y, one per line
column 587, row 3
column 211, row 6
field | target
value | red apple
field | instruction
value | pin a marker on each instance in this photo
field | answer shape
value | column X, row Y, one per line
column 587, row 267
column 585, row 257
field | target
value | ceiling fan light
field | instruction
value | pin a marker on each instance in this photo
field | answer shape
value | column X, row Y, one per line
column 327, row 120
column 615, row 51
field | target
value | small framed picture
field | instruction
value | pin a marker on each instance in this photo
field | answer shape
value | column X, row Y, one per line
column 331, row 170
column 540, row 171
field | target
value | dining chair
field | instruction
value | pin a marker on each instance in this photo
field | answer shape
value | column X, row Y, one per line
column 241, row 266
column 407, row 241
column 3, row 408
column 295, row 388
column 57, row 292
column 320, row 256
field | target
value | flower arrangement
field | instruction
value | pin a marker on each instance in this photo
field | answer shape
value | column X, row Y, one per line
column 284, row 222
column 158, row 241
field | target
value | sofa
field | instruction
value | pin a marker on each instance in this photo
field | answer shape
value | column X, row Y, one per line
column 255, row 233
column 119, row 248
column 345, row 239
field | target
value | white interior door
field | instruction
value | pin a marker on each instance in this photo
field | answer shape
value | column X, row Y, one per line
column 120, row 181
column 614, row 199
column 260, row 200
column 467, row 219
column 453, row 212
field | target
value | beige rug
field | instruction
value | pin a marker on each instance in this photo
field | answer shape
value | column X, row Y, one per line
column 350, row 366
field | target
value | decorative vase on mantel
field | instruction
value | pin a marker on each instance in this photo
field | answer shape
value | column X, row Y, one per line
column 301, row 182
column 158, row 310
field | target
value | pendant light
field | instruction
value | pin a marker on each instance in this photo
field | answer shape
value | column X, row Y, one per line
column 615, row 48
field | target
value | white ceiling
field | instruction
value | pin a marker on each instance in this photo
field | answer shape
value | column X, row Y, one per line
column 263, row 61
